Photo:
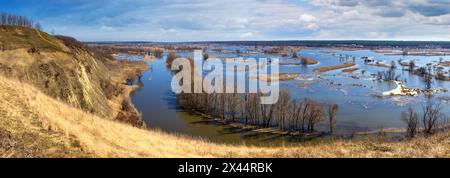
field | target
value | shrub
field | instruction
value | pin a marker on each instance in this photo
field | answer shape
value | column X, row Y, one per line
column 33, row 50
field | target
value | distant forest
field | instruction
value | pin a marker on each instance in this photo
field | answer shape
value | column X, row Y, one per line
column 307, row 43
column 346, row 43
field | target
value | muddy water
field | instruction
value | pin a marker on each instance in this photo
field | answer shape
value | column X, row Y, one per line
column 358, row 111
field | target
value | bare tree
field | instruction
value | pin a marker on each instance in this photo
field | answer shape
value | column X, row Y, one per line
column 411, row 119
column 297, row 118
column 253, row 108
column 38, row 26
column 314, row 115
column 428, row 80
column 305, row 109
column 431, row 115
column 412, row 65
column 282, row 108
column 232, row 103
column 388, row 75
column 266, row 114
column 243, row 108
column 332, row 110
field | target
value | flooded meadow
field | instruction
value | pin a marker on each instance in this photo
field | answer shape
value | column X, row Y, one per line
column 366, row 103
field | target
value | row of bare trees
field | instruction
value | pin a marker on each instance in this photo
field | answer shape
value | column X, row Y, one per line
column 156, row 52
column 287, row 115
column 388, row 75
column 17, row 20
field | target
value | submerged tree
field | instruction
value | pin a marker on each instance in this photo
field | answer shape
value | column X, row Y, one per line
column 332, row 110
column 393, row 65
column 282, row 109
column 389, row 75
column 428, row 80
column 411, row 120
column 412, row 66
column 314, row 116
column 431, row 115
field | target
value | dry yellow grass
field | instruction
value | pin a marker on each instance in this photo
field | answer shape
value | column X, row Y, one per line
column 351, row 70
column 269, row 78
column 328, row 68
column 445, row 63
column 98, row 137
column 308, row 61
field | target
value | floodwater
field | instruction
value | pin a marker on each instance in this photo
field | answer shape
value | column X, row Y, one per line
column 359, row 110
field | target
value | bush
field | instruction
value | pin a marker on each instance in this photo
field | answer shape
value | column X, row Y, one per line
column 33, row 50
column 71, row 42
column 109, row 89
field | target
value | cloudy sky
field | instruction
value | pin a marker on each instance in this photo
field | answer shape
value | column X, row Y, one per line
column 213, row 20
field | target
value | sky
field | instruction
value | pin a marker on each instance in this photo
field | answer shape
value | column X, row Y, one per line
column 243, row 20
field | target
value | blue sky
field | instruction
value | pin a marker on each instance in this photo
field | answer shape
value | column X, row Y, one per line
column 213, row 20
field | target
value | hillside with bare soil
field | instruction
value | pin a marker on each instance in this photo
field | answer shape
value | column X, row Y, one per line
column 67, row 70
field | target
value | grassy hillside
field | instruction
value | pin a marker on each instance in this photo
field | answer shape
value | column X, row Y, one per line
column 67, row 70
column 64, row 131
column 14, row 37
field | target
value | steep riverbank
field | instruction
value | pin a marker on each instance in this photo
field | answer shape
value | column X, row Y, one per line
column 67, row 70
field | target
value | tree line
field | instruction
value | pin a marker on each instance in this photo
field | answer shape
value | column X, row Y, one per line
column 288, row 114
column 17, row 20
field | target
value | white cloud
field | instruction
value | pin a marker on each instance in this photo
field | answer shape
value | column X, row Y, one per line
column 247, row 35
column 312, row 26
column 242, row 20
column 376, row 35
column 194, row 20
column 307, row 18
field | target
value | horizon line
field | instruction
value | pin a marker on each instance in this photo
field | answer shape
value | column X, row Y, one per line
column 221, row 41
